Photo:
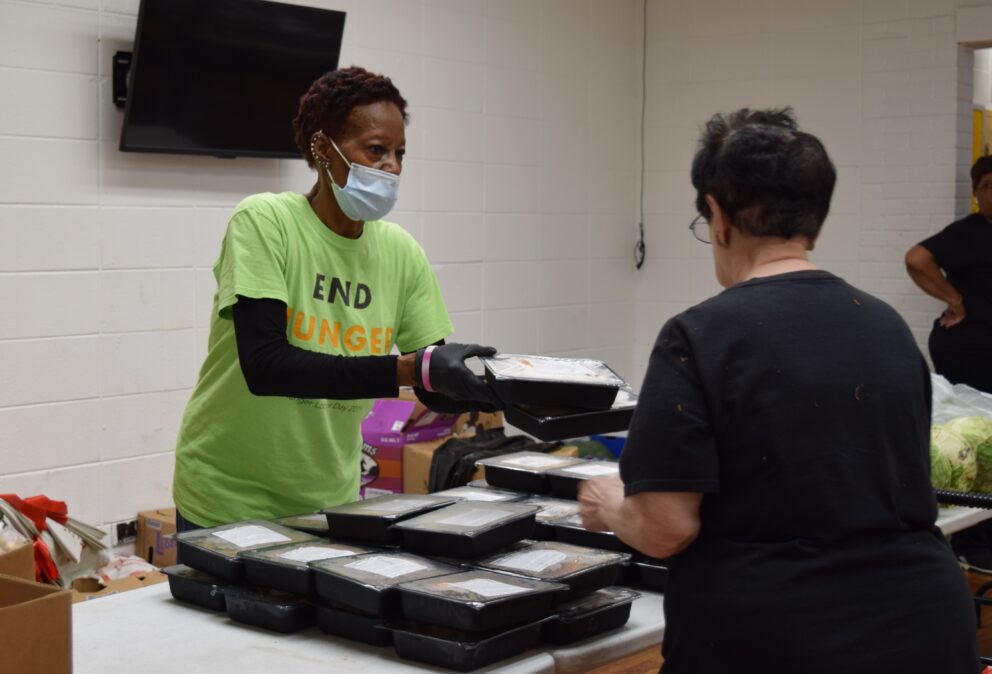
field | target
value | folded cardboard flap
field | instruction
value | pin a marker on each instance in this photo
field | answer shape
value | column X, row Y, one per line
column 35, row 627
column 90, row 588
column 19, row 562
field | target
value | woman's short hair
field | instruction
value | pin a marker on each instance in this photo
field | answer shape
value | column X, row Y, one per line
column 770, row 178
column 981, row 168
column 329, row 100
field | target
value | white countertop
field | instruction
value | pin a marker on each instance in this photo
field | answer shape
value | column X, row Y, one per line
column 148, row 630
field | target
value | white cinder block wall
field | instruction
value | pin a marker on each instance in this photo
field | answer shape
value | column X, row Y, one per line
column 520, row 185
column 881, row 82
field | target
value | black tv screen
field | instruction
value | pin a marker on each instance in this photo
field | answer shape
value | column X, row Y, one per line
column 224, row 77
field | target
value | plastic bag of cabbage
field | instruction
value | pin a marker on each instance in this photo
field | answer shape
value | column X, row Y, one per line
column 961, row 454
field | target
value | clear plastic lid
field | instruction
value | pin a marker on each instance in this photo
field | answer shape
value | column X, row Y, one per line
column 552, row 508
column 529, row 462
column 230, row 539
column 315, row 521
column 476, row 494
column 588, row 469
column 596, row 601
column 390, row 506
column 467, row 518
column 189, row 573
column 551, row 369
column 480, row 587
column 299, row 555
column 550, row 560
column 383, row 570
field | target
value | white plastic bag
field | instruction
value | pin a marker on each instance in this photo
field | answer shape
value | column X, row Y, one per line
column 957, row 400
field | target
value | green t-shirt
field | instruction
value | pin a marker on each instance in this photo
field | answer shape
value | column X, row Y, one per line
column 241, row 456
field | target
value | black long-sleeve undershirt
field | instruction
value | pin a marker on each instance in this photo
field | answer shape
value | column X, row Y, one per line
column 274, row 367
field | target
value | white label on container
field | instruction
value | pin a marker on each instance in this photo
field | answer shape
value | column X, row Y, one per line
column 473, row 494
column 388, row 567
column 594, row 469
column 475, row 518
column 399, row 505
column 534, row 461
column 488, row 588
column 312, row 554
column 250, row 535
column 532, row 560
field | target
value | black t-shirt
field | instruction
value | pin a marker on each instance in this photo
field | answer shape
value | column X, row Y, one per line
column 800, row 406
column 963, row 250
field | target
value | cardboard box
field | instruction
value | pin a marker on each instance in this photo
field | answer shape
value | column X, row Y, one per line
column 35, row 627
column 153, row 541
column 84, row 589
column 19, row 562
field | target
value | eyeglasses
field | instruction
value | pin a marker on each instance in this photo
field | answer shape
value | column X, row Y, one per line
column 700, row 229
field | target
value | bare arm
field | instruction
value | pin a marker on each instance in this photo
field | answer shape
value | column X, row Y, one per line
column 659, row 524
column 926, row 273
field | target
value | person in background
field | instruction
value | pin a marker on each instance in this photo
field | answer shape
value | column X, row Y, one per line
column 313, row 292
column 955, row 266
column 778, row 455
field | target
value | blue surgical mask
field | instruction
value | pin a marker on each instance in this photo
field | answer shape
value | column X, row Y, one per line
column 369, row 194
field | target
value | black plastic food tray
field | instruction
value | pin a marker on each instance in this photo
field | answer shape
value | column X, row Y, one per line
column 349, row 523
column 567, row 532
column 543, row 529
column 566, row 394
column 195, row 587
column 522, row 478
column 486, row 495
column 445, row 648
column 313, row 523
column 565, row 484
column 570, row 628
column 269, row 609
column 468, row 545
column 555, row 423
column 422, row 602
column 354, row 626
column 650, row 574
column 192, row 552
column 381, row 600
column 292, row 577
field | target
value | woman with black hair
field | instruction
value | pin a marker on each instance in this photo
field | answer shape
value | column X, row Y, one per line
column 778, row 455
column 313, row 293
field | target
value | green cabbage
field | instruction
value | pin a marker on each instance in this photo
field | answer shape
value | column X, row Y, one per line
column 953, row 449
column 940, row 468
column 977, row 432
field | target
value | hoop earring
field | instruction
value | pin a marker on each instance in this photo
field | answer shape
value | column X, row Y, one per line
column 316, row 157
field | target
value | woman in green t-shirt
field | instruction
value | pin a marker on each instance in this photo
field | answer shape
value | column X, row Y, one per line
column 313, row 293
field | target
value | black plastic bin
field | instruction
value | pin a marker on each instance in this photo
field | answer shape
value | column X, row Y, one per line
column 286, row 567
column 367, row 583
column 478, row 600
column 467, row 530
column 564, row 482
column 462, row 651
column 524, row 471
column 195, row 587
column 370, row 520
column 589, row 616
column 215, row 550
column 575, row 383
column 269, row 609
column 354, row 626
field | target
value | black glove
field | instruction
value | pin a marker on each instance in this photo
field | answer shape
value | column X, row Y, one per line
column 447, row 374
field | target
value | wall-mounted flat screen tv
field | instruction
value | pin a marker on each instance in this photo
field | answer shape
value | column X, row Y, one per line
column 224, row 77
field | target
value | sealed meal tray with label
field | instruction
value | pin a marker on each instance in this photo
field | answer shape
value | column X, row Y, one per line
column 577, row 383
column 286, row 567
column 311, row 523
column 367, row 583
column 524, row 471
column 467, row 529
column 583, row 569
column 355, row 626
column 565, row 481
column 459, row 650
column 215, row 550
column 570, row 530
column 478, row 600
column 551, row 423
column 195, row 587
column 370, row 520
column 550, row 509
column 269, row 609
column 467, row 493
column 588, row 616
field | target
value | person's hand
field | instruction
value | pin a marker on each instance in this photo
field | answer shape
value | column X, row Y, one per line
column 953, row 314
column 442, row 369
column 599, row 498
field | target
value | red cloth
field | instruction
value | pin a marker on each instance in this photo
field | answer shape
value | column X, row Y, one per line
column 38, row 509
